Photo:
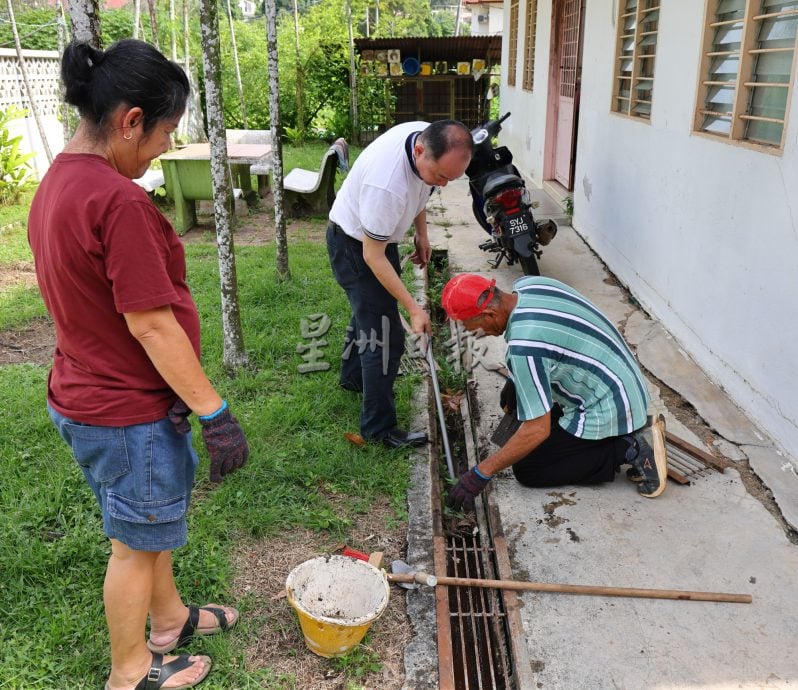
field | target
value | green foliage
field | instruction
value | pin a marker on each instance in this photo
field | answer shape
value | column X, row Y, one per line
column 116, row 25
column 294, row 135
column 37, row 29
column 251, row 45
column 323, row 62
column 15, row 175
column 568, row 205
column 358, row 662
column 404, row 18
column 11, row 218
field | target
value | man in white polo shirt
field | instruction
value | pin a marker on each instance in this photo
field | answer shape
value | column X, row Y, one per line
column 386, row 192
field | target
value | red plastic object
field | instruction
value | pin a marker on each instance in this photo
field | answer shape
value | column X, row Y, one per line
column 352, row 553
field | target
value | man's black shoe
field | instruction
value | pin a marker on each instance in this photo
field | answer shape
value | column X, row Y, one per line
column 351, row 387
column 648, row 458
column 399, row 438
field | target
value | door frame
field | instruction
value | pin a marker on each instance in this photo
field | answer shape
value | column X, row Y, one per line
column 552, row 98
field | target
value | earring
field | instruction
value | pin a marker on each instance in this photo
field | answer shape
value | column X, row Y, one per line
column 126, row 137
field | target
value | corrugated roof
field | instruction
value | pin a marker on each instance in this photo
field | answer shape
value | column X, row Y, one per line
column 452, row 49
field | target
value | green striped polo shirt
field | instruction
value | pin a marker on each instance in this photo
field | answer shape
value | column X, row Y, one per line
column 561, row 348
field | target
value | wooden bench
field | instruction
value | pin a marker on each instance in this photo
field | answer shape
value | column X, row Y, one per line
column 312, row 193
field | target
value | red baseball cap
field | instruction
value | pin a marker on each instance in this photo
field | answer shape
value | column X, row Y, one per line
column 461, row 295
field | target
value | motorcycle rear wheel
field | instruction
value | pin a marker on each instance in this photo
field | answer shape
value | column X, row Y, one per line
column 529, row 265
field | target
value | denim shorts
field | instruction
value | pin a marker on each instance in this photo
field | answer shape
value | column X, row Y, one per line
column 141, row 475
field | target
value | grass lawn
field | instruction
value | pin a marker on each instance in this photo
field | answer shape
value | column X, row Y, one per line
column 302, row 476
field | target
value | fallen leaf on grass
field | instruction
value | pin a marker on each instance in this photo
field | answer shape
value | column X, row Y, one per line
column 354, row 439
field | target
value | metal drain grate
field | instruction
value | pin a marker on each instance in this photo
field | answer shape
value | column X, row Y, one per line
column 687, row 462
column 477, row 620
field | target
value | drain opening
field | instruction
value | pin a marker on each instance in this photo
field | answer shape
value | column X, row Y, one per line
column 475, row 649
column 477, row 620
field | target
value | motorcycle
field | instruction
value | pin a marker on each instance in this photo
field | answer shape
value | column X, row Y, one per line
column 502, row 205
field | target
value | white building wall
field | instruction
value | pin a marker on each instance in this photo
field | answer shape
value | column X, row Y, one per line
column 495, row 19
column 524, row 131
column 704, row 233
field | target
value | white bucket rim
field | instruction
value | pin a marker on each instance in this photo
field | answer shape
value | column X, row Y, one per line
column 342, row 622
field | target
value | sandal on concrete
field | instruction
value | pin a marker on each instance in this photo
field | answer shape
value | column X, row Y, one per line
column 191, row 628
column 160, row 672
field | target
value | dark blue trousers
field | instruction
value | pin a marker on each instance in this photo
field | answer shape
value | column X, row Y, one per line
column 374, row 340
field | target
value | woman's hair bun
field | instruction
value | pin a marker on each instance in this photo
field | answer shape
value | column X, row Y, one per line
column 77, row 65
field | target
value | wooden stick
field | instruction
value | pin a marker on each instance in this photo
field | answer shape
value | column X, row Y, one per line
column 682, row 595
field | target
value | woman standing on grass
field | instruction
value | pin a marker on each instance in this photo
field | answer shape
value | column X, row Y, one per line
column 112, row 273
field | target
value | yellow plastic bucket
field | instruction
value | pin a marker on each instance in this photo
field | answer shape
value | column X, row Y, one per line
column 336, row 598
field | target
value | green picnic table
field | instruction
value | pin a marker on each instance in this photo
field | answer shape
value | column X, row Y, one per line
column 187, row 175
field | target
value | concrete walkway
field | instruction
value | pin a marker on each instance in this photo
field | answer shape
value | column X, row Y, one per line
column 712, row 536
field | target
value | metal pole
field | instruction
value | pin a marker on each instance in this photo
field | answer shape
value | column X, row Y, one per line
column 439, row 405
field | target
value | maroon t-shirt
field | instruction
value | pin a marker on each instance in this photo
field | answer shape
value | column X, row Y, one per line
column 102, row 249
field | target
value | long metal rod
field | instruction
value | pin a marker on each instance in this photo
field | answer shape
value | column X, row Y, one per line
column 682, row 595
column 439, row 404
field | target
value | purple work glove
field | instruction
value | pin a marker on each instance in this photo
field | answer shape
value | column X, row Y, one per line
column 178, row 414
column 462, row 495
column 225, row 442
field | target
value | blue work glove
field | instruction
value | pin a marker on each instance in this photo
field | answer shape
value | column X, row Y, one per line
column 462, row 495
column 178, row 414
column 224, row 438
column 507, row 399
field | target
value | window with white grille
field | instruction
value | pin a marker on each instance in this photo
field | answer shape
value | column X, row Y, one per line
column 635, row 54
column 747, row 69
column 529, row 46
column 512, row 44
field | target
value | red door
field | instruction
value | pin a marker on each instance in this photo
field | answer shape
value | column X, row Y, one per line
column 565, row 90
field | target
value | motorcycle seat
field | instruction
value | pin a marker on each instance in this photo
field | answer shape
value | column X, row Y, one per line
column 495, row 184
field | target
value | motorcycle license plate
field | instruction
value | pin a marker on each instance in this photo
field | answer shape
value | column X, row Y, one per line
column 517, row 225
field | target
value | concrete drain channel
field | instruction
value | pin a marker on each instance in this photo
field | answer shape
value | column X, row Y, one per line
column 478, row 628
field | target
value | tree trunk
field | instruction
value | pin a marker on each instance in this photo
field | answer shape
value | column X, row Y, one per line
column 153, row 24
column 172, row 31
column 185, row 35
column 235, row 64
column 352, row 75
column 136, row 18
column 300, row 77
column 235, row 356
column 281, row 239
column 85, row 18
column 192, row 126
column 63, row 39
column 24, row 70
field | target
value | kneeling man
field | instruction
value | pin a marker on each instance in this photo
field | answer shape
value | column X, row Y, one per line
column 574, row 385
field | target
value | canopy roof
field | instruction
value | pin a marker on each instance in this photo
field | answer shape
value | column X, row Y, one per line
column 488, row 48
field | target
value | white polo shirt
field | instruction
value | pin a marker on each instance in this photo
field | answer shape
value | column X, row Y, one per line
column 382, row 194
